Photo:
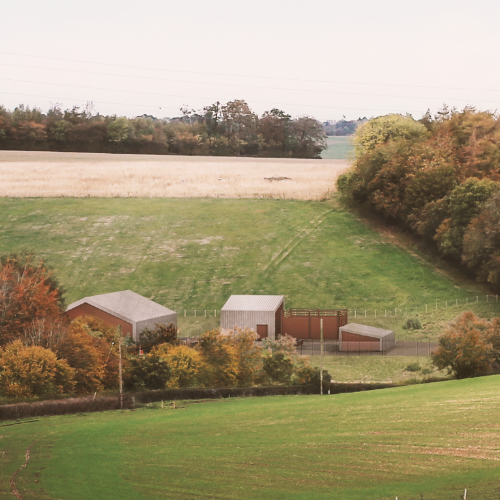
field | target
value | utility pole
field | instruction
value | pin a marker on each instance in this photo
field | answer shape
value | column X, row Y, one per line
column 120, row 365
column 321, row 366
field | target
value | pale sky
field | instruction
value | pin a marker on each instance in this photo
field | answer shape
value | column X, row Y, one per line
column 326, row 59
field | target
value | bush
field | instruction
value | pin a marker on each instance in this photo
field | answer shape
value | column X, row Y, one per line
column 33, row 371
column 464, row 348
column 413, row 367
column 412, row 324
column 185, row 365
column 161, row 334
column 149, row 371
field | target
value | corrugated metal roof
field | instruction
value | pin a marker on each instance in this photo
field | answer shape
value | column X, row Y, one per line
column 253, row 303
column 369, row 331
column 126, row 304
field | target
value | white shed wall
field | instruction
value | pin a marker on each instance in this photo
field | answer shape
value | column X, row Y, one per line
column 249, row 319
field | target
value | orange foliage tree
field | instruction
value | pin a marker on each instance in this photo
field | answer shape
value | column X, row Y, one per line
column 30, row 300
column 185, row 365
column 30, row 371
column 464, row 349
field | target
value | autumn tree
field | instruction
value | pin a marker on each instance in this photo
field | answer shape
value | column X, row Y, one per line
column 30, row 299
column 464, row 348
column 185, row 364
column 30, row 371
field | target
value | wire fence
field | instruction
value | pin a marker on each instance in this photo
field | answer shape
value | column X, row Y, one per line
column 411, row 310
column 350, row 348
column 383, row 311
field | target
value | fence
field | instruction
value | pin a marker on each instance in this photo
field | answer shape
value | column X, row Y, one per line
column 331, row 348
column 360, row 312
column 394, row 312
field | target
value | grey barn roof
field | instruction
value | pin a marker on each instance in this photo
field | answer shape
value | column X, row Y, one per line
column 368, row 331
column 126, row 305
column 253, row 303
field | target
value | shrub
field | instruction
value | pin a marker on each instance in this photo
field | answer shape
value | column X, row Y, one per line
column 413, row 367
column 33, row 371
column 185, row 365
column 464, row 348
column 412, row 324
column 149, row 372
column 161, row 334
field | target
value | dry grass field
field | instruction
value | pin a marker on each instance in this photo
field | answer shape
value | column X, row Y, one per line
column 47, row 174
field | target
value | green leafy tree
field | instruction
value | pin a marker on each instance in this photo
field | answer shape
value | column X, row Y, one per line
column 464, row 348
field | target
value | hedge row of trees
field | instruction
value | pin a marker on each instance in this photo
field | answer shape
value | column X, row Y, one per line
column 438, row 177
column 43, row 353
column 230, row 129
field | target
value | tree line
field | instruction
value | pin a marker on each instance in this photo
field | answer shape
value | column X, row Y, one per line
column 230, row 129
column 438, row 177
column 44, row 353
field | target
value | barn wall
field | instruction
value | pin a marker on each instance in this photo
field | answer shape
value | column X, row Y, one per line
column 305, row 327
column 249, row 319
column 88, row 310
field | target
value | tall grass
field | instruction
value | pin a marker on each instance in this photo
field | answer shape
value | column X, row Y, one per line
column 45, row 174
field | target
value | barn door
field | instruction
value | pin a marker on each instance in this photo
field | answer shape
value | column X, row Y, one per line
column 262, row 331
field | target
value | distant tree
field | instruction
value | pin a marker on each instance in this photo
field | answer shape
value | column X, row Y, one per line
column 308, row 139
column 381, row 130
column 86, row 354
column 219, row 357
column 274, row 127
column 148, row 372
column 464, row 348
column 160, row 334
column 185, row 365
column 481, row 246
column 118, row 129
column 30, row 297
column 27, row 372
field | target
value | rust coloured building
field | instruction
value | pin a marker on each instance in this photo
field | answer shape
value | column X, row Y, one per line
column 127, row 309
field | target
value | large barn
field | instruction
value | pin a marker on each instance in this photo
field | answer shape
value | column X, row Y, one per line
column 127, row 309
column 355, row 337
column 261, row 313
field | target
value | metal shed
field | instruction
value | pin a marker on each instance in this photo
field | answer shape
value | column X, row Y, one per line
column 355, row 337
column 127, row 309
column 261, row 313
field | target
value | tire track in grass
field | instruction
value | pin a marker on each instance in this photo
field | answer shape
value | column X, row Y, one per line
column 13, row 487
column 294, row 242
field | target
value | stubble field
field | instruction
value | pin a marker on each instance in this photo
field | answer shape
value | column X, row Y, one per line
column 46, row 174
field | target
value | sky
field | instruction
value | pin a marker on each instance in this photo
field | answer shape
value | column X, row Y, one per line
column 324, row 58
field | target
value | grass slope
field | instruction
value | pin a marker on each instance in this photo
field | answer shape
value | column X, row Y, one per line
column 195, row 253
column 427, row 441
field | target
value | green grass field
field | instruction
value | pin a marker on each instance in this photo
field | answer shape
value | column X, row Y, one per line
column 378, row 368
column 194, row 253
column 429, row 441
column 338, row 148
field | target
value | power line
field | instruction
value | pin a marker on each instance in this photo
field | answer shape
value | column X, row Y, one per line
column 241, row 86
column 196, row 97
column 171, row 107
column 245, row 76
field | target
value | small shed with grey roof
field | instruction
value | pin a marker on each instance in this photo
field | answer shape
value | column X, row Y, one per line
column 262, row 313
column 127, row 309
column 355, row 337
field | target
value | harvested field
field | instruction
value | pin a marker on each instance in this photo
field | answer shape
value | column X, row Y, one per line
column 46, row 174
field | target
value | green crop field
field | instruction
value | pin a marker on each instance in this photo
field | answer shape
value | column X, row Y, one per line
column 194, row 253
column 338, row 148
column 429, row 441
